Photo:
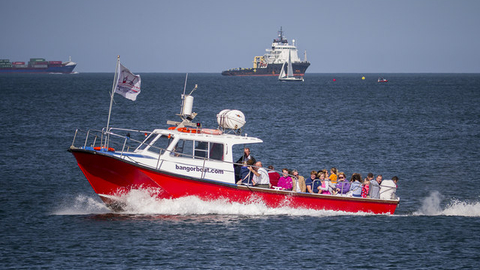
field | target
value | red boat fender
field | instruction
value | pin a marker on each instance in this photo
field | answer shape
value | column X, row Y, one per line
column 98, row 148
column 187, row 130
column 211, row 131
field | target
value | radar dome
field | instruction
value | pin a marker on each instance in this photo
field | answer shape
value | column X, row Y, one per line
column 231, row 119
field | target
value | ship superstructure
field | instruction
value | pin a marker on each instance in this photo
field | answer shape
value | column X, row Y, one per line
column 270, row 64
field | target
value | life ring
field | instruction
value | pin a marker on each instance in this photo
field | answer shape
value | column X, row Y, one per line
column 211, row 131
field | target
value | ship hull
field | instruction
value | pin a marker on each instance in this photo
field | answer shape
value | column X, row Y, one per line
column 59, row 69
column 111, row 176
column 299, row 70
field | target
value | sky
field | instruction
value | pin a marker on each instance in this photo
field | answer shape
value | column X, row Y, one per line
column 340, row 36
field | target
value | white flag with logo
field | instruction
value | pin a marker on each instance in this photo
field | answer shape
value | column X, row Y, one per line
column 128, row 84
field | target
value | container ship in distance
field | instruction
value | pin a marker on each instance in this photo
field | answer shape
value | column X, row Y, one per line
column 37, row 65
column 270, row 64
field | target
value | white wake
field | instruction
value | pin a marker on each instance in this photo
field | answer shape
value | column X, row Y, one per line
column 141, row 202
column 432, row 206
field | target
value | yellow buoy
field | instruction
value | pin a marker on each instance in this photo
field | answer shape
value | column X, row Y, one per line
column 363, row 78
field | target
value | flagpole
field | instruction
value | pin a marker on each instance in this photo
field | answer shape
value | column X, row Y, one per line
column 115, row 79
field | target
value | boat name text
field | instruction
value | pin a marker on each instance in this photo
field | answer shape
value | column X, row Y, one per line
column 198, row 169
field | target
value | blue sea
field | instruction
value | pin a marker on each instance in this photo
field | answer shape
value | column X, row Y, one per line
column 423, row 128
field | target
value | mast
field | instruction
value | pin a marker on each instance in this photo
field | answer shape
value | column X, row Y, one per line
column 115, row 79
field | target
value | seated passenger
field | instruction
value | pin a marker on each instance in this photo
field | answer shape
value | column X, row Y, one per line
column 298, row 182
column 342, row 186
column 366, row 186
column 375, row 187
column 285, row 182
column 260, row 175
column 273, row 175
column 309, row 181
column 246, row 174
column 333, row 175
column 324, row 185
column 356, row 185
column 388, row 189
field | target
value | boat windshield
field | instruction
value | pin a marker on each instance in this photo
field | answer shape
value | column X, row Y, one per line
column 155, row 143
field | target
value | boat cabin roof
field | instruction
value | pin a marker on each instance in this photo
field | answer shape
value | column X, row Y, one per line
column 224, row 138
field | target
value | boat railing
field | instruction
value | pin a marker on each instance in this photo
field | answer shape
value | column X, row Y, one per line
column 100, row 139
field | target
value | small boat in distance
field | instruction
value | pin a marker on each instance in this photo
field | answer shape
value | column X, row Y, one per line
column 186, row 159
column 381, row 79
column 289, row 77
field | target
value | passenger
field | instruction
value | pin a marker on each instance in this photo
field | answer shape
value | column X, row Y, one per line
column 374, row 191
column 333, row 188
column 388, row 189
column 260, row 176
column 356, row 185
column 342, row 186
column 333, row 175
column 316, row 184
column 245, row 173
column 324, row 187
column 309, row 181
column 298, row 182
column 369, row 177
column 273, row 175
column 244, row 158
column 366, row 186
column 285, row 182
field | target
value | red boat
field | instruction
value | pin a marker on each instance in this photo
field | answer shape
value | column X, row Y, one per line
column 382, row 80
column 188, row 160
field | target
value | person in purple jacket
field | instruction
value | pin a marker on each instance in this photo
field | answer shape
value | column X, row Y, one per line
column 285, row 182
column 342, row 186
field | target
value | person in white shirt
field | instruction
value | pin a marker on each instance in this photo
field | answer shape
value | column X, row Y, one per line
column 260, row 177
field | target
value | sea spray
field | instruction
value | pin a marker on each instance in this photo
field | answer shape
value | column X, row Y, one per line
column 82, row 205
column 431, row 206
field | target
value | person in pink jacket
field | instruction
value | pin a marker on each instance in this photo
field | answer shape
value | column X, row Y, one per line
column 285, row 182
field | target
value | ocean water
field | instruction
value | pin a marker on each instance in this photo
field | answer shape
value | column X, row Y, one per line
column 423, row 128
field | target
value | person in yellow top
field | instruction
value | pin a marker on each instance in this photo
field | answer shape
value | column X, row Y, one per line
column 333, row 175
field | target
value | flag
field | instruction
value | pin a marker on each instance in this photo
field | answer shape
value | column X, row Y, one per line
column 128, row 84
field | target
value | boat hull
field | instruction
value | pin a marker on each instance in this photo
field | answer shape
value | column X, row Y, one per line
column 270, row 70
column 54, row 69
column 111, row 176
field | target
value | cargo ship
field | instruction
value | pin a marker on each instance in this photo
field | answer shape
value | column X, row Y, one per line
column 270, row 64
column 37, row 65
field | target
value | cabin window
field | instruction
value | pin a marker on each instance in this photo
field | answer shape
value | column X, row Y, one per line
column 155, row 143
column 216, row 151
column 147, row 141
column 201, row 149
column 184, row 148
column 198, row 150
